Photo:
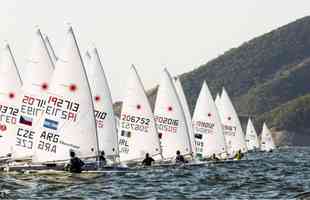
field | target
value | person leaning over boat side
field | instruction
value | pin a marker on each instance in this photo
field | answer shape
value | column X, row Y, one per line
column 179, row 158
column 75, row 165
column 239, row 155
column 147, row 160
column 102, row 160
column 213, row 157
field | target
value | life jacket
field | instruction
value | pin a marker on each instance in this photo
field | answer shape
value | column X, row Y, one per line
column 148, row 161
column 76, row 165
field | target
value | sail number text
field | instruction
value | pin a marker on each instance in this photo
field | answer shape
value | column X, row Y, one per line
column 166, row 124
column 24, row 138
column 135, row 119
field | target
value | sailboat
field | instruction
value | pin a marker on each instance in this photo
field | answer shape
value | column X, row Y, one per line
column 234, row 136
column 137, row 133
column 50, row 49
column 102, row 99
column 180, row 91
column 10, row 87
column 267, row 143
column 170, row 120
column 207, row 125
column 32, row 102
column 68, row 123
column 251, row 137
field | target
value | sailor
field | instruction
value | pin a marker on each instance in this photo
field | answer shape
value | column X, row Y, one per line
column 213, row 157
column 239, row 155
column 179, row 158
column 102, row 160
column 147, row 160
column 75, row 165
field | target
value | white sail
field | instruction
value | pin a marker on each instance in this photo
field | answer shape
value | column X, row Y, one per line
column 137, row 133
column 234, row 136
column 251, row 136
column 182, row 97
column 217, row 101
column 50, row 49
column 32, row 102
column 267, row 143
column 170, row 119
column 68, row 123
column 105, row 118
column 10, row 87
column 209, row 136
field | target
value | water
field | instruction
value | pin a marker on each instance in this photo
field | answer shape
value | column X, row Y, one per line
column 279, row 175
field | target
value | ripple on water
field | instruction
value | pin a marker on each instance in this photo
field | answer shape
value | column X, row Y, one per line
column 280, row 175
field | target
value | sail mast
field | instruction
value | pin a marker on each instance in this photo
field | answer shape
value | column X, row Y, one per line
column 187, row 114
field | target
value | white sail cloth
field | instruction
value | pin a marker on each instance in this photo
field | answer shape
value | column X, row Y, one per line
column 105, row 118
column 251, row 136
column 68, row 123
column 234, row 136
column 10, row 87
column 137, row 133
column 267, row 143
column 208, row 130
column 170, row 119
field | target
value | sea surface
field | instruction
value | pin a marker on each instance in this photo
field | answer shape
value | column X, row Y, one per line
column 282, row 174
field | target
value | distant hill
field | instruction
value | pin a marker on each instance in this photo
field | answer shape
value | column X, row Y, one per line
column 267, row 78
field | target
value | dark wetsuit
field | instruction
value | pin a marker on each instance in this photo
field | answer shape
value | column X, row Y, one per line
column 76, row 165
column 238, row 156
column 180, row 159
column 102, row 160
column 148, row 161
column 214, row 158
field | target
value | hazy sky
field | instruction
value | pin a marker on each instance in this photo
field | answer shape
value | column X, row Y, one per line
column 150, row 34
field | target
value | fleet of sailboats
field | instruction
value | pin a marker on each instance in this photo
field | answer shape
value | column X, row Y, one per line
column 64, row 105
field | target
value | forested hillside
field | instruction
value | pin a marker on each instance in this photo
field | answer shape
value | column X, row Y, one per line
column 267, row 78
